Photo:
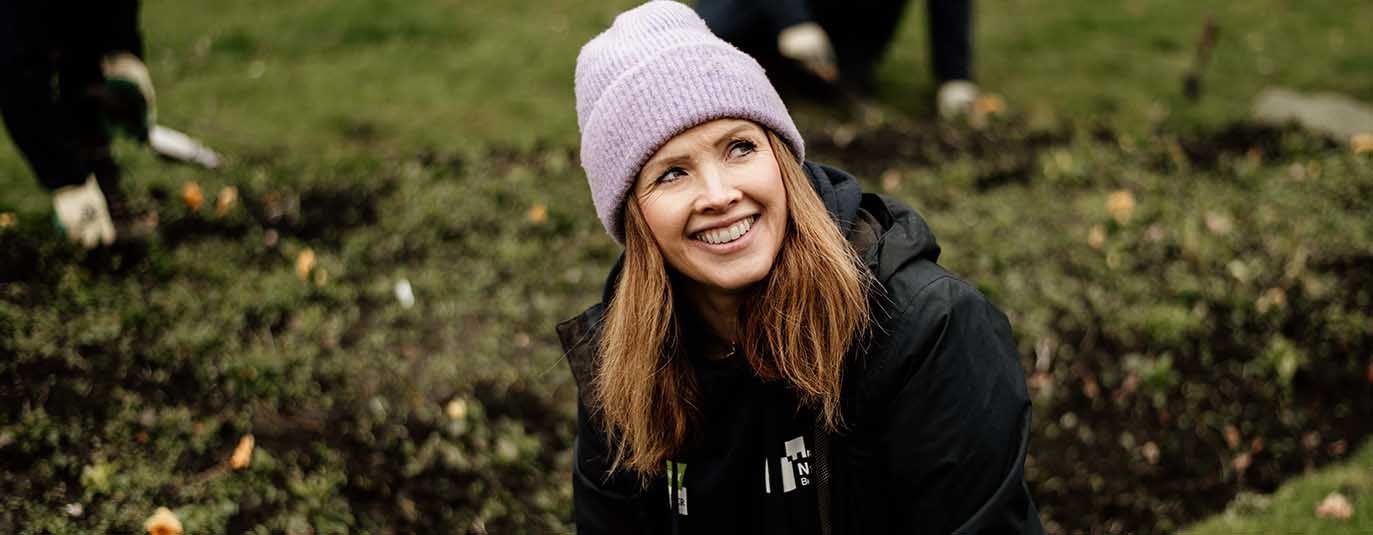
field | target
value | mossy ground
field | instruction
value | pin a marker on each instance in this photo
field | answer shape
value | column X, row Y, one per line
column 1216, row 340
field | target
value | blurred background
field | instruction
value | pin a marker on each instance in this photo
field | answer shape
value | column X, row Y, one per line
column 348, row 326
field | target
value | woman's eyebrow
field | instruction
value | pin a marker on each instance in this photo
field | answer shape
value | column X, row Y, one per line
column 730, row 134
column 666, row 162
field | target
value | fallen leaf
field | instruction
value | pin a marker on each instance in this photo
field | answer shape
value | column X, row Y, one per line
column 1219, row 223
column 1297, row 171
column 1096, row 237
column 456, row 409
column 1090, row 388
column 1311, row 440
column 226, row 200
column 8, row 219
column 243, row 454
column 1362, row 143
column 1369, row 373
column 305, row 262
column 891, row 181
column 989, row 104
column 1242, row 461
column 1128, row 387
column 163, row 522
column 1272, row 299
column 1121, row 205
column 1155, row 232
column 538, row 214
column 1336, row 507
column 192, row 196
column 321, row 277
column 1150, row 451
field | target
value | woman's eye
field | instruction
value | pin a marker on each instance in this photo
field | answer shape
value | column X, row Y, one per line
column 741, row 148
column 671, row 175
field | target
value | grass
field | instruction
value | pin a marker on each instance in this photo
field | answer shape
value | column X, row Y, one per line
column 435, row 142
column 1292, row 508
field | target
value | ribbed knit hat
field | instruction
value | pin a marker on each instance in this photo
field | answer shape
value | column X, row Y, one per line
column 657, row 72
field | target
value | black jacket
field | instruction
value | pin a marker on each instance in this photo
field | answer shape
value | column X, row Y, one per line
column 936, row 408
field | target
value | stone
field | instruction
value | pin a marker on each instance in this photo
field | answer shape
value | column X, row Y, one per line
column 1336, row 116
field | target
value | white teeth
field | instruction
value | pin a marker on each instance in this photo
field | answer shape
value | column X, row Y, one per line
column 728, row 234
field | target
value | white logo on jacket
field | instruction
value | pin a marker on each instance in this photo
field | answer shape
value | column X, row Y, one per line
column 794, row 466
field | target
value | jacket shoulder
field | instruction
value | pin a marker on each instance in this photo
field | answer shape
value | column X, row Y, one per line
column 923, row 312
column 580, row 337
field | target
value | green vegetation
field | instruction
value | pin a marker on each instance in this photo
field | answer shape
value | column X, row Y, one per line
column 1214, row 337
column 1292, row 508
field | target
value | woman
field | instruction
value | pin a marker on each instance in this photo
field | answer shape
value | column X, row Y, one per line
column 776, row 352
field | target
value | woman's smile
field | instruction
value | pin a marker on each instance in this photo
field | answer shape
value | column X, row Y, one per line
column 728, row 237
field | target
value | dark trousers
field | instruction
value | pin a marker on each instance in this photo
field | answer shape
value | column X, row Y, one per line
column 52, row 90
column 861, row 31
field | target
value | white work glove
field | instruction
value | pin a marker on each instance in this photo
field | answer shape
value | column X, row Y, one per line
column 808, row 44
column 956, row 99
column 83, row 215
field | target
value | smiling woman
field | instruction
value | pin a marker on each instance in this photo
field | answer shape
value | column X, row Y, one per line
column 774, row 344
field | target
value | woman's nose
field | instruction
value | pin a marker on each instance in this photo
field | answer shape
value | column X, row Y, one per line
column 717, row 193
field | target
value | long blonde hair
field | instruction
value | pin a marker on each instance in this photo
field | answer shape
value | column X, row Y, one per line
column 796, row 325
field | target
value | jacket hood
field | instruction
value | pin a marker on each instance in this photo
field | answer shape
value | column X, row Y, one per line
column 886, row 233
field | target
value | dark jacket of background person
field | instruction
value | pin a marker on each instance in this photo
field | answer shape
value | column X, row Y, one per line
column 936, row 409
column 60, row 127
column 861, row 31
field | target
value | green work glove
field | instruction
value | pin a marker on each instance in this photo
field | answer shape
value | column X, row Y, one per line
column 131, row 87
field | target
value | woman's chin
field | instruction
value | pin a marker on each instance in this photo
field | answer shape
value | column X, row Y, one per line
column 737, row 278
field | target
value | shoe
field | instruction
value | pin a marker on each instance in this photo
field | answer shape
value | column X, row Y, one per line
column 133, row 102
column 955, row 99
column 83, row 215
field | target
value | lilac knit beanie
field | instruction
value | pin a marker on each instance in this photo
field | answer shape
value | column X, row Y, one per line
column 657, row 72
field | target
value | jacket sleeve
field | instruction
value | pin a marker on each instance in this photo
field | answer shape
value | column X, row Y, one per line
column 604, row 505
column 959, row 422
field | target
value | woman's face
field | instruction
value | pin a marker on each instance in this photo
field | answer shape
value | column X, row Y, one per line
column 715, row 204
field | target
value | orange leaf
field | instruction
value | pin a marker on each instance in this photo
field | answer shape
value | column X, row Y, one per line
column 305, row 261
column 192, row 196
column 243, row 454
column 1121, row 205
column 538, row 214
column 163, row 522
column 1362, row 143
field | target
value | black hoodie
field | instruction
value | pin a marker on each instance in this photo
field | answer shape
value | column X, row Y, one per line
column 936, row 410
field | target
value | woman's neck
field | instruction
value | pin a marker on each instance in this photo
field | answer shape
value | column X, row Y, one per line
column 719, row 311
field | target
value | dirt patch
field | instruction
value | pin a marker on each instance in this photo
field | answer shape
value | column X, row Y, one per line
column 1117, row 452
column 1005, row 152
